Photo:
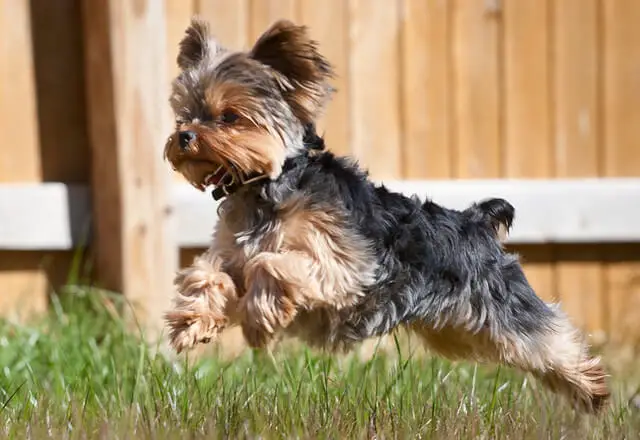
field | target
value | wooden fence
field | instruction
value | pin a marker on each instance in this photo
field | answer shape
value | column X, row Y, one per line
column 498, row 90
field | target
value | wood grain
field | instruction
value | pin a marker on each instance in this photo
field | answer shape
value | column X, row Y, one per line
column 576, row 73
column 126, row 42
column 229, row 25
column 29, row 277
column 621, row 34
column 179, row 14
column 19, row 146
column 265, row 12
column 527, row 117
column 20, row 158
column 328, row 24
column 374, row 84
column 57, row 54
column 427, row 125
column 477, row 95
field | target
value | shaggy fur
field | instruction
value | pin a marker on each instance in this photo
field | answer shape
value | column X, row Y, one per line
column 314, row 249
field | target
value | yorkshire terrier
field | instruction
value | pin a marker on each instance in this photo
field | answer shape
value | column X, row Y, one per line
column 307, row 246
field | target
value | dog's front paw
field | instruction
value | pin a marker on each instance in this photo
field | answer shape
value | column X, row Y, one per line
column 199, row 312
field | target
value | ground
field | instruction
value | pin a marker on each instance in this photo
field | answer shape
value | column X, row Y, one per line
column 79, row 374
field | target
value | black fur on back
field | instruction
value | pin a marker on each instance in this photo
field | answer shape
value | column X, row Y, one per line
column 437, row 265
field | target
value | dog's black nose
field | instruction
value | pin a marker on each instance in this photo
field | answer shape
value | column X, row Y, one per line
column 185, row 138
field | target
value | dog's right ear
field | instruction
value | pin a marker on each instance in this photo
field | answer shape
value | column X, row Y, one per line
column 289, row 50
column 196, row 45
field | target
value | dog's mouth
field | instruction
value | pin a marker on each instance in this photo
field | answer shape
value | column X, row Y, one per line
column 220, row 175
column 224, row 179
column 198, row 173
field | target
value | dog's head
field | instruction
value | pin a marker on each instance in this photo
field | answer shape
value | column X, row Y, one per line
column 241, row 114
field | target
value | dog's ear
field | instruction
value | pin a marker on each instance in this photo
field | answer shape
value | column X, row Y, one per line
column 197, row 44
column 290, row 51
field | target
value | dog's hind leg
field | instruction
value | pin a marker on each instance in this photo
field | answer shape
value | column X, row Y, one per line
column 520, row 330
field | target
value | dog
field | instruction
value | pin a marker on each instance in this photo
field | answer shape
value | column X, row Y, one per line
column 308, row 246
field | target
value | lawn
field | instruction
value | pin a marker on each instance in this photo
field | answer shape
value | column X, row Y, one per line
column 79, row 374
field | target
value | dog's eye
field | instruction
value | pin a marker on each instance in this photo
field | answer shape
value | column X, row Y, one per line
column 229, row 117
column 206, row 116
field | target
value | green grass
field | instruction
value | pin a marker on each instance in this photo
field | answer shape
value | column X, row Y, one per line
column 79, row 374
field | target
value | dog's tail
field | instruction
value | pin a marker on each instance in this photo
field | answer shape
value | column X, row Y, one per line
column 497, row 212
column 566, row 365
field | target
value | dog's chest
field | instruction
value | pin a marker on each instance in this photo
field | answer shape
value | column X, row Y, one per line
column 243, row 234
column 340, row 259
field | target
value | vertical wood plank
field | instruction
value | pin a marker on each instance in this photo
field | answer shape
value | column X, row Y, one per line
column 22, row 284
column 477, row 82
column 57, row 54
column 229, row 23
column 129, row 122
column 374, row 85
column 426, row 89
column 622, row 284
column 580, row 284
column 265, row 12
column 19, row 148
column 622, row 155
column 27, row 278
column 527, row 119
column 576, row 60
column 328, row 24
column 178, row 13
column 576, row 72
column 622, row 87
column 537, row 262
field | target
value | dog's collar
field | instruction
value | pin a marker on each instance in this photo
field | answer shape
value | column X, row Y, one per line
column 232, row 181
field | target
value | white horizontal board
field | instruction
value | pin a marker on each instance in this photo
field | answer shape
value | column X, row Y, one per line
column 547, row 211
column 55, row 215
column 51, row 216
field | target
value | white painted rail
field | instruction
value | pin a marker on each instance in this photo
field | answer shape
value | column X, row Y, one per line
column 54, row 216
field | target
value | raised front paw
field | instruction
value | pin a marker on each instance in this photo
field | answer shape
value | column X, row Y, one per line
column 200, row 307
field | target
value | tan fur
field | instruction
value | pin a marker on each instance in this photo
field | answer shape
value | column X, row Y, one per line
column 202, row 304
column 305, row 262
column 243, row 144
column 502, row 232
column 560, row 359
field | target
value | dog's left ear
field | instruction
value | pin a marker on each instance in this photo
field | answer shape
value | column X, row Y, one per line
column 197, row 44
column 290, row 51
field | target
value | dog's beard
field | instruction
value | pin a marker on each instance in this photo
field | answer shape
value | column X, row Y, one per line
column 225, row 157
column 248, row 152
